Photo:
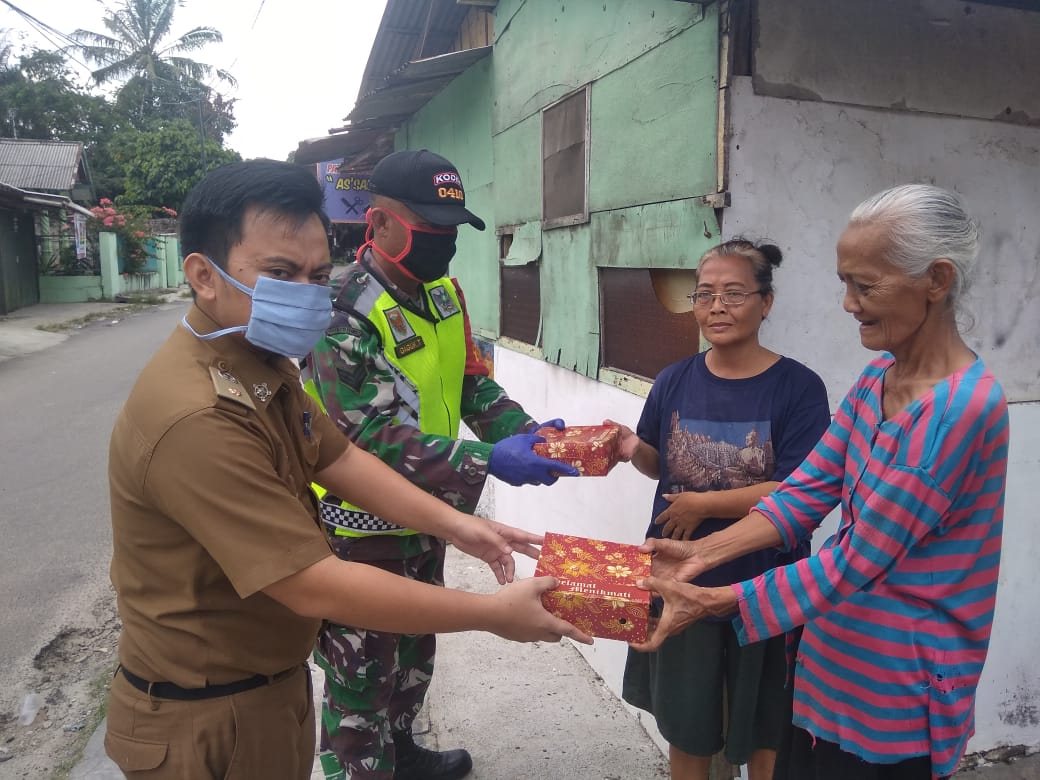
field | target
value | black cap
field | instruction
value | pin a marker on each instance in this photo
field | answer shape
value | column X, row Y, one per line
column 427, row 184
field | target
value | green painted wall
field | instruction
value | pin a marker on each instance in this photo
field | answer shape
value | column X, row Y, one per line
column 652, row 67
column 457, row 125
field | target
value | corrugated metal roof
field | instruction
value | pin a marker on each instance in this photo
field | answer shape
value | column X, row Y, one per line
column 332, row 147
column 40, row 165
column 410, row 30
column 411, row 61
column 13, row 196
column 411, row 86
column 376, row 116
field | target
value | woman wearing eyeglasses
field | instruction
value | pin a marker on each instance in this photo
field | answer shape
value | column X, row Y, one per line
column 719, row 431
column 897, row 606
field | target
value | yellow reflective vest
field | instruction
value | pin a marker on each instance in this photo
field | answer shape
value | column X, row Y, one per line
column 428, row 357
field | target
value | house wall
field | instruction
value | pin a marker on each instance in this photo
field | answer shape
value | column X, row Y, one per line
column 797, row 166
column 934, row 56
column 893, row 103
column 18, row 265
column 652, row 69
column 797, row 169
column 456, row 124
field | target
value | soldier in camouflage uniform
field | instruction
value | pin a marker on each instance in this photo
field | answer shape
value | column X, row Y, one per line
column 398, row 371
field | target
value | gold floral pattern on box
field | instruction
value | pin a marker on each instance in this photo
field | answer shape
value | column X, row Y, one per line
column 591, row 449
column 597, row 585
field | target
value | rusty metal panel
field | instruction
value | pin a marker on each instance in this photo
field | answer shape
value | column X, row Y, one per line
column 410, row 30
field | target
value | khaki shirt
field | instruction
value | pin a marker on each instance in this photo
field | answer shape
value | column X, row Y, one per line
column 209, row 467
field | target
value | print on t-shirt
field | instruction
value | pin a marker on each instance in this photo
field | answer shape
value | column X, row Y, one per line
column 709, row 455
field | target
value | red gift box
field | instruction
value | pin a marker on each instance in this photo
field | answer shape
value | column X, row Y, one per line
column 597, row 585
column 591, row 449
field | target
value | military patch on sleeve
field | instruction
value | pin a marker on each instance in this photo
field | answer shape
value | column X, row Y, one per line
column 399, row 326
column 443, row 302
column 228, row 386
column 353, row 375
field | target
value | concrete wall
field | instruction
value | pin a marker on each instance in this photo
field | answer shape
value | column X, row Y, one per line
column 935, row 56
column 615, row 507
column 797, row 168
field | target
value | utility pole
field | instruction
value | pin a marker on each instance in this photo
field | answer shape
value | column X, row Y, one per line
column 202, row 137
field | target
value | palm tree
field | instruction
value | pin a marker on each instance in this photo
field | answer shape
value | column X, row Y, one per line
column 137, row 49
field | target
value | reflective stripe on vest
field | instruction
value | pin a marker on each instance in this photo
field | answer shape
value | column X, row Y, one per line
column 428, row 360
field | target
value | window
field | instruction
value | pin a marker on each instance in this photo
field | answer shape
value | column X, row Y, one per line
column 565, row 161
column 638, row 335
column 521, row 303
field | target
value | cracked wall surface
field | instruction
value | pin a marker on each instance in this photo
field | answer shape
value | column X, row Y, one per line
column 934, row 56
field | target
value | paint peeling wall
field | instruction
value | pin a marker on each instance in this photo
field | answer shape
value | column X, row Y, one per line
column 456, row 124
column 653, row 69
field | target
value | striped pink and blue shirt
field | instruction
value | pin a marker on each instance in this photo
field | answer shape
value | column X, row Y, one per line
column 898, row 604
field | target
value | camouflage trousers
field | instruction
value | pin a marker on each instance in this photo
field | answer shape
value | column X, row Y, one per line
column 375, row 682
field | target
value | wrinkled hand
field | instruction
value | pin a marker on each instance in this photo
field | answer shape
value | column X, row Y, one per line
column 514, row 461
column 682, row 517
column 521, row 617
column 675, row 560
column 684, row 604
column 628, row 441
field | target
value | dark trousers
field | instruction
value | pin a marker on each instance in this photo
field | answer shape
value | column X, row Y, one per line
column 799, row 758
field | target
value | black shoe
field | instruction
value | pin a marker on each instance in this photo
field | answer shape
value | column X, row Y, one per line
column 417, row 763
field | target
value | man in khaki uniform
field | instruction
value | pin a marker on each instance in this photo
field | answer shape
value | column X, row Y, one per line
column 221, row 570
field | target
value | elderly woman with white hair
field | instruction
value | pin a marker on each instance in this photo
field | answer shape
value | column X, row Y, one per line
column 897, row 606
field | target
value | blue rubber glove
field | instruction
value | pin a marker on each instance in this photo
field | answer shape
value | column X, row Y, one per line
column 514, row 461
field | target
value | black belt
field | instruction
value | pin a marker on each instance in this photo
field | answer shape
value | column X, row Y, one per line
column 168, row 690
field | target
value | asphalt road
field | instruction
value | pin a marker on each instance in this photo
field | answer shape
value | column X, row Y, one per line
column 57, row 407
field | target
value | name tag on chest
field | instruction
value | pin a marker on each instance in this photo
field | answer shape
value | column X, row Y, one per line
column 407, row 340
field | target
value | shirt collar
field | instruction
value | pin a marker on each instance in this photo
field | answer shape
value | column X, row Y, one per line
column 261, row 373
column 416, row 303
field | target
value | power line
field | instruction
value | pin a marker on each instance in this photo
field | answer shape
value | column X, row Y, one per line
column 258, row 10
column 46, row 31
column 251, row 28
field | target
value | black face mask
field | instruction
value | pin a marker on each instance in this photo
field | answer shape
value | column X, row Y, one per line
column 427, row 253
column 428, row 258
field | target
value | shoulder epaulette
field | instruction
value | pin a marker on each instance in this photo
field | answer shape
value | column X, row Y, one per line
column 355, row 283
column 228, row 387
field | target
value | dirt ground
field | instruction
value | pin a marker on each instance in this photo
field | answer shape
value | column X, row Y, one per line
column 70, row 673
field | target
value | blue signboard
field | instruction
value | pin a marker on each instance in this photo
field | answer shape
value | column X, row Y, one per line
column 346, row 195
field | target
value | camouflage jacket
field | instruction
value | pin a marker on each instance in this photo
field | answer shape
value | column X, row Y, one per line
column 359, row 388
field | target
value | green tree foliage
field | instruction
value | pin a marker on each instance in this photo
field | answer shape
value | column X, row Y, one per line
column 159, row 82
column 138, row 46
column 161, row 165
column 142, row 141
column 38, row 99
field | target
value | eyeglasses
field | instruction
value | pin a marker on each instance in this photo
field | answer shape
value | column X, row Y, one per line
column 728, row 298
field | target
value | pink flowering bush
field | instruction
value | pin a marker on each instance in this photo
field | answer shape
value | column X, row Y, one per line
column 130, row 223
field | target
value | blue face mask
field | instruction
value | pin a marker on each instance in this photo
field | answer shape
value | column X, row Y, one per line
column 287, row 318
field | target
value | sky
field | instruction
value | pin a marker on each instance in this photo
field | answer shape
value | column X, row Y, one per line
column 298, row 62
